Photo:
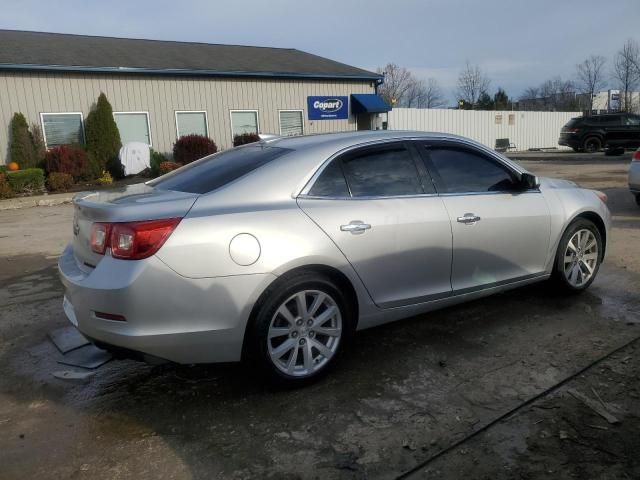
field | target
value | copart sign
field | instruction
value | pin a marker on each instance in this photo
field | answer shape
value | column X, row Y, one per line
column 328, row 108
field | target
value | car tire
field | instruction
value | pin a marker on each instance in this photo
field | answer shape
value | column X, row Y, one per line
column 578, row 256
column 592, row 145
column 291, row 347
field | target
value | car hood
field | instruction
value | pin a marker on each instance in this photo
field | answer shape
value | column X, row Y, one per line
column 551, row 183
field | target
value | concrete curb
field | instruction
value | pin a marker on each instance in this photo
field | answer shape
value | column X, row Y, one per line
column 36, row 201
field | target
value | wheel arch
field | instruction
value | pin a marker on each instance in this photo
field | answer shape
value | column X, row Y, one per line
column 342, row 281
column 598, row 222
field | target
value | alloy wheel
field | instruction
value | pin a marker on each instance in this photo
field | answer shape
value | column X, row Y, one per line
column 304, row 333
column 581, row 257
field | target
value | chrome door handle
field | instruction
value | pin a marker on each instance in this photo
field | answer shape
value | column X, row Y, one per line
column 355, row 226
column 469, row 219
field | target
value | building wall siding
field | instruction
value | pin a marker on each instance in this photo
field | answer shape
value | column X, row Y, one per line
column 525, row 129
column 35, row 93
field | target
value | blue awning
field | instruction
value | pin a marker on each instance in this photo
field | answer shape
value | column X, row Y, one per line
column 368, row 103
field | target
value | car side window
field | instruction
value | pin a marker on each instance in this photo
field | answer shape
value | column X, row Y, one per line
column 465, row 171
column 331, row 182
column 382, row 172
column 633, row 120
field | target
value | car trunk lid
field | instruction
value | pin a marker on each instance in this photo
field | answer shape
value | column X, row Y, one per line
column 131, row 203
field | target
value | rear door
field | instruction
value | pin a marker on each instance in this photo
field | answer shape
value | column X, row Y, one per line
column 615, row 132
column 500, row 233
column 378, row 207
column 632, row 130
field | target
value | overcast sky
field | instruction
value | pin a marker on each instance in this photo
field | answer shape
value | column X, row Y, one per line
column 518, row 43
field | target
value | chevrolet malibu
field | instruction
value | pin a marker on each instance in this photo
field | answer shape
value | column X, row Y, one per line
column 277, row 252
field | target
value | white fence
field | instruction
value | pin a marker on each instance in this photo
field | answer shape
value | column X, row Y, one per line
column 524, row 129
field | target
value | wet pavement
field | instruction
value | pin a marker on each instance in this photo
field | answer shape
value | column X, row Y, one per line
column 401, row 394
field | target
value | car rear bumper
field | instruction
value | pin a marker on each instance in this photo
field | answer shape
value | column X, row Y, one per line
column 166, row 315
column 569, row 140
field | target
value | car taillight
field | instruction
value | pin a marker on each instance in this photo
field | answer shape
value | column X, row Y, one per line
column 636, row 156
column 132, row 240
column 100, row 237
column 570, row 130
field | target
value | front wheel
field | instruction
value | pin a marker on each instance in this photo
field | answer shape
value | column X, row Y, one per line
column 300, row 329
column 579, row 256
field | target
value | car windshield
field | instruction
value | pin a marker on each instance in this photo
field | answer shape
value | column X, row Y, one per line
column 212, row 172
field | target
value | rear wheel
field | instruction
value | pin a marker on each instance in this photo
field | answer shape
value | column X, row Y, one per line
column 578, row 257
column 300, row 329
column 592, row 144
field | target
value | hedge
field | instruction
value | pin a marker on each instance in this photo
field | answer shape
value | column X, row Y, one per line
column 29, row 180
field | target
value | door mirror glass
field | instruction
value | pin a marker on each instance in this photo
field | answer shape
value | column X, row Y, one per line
column 529, row 182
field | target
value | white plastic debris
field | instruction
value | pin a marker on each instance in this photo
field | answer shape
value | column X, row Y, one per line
column 134, row 156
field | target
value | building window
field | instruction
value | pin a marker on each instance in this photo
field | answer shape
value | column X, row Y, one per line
column 133, row 127
column 62, row 128
column 191, row 123
column 291, row 123
column 244, row 121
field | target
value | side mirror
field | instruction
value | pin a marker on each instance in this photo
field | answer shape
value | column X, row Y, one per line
column 529, row 182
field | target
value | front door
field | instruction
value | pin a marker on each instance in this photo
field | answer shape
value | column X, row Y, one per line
column 387, row 221
column 500, row 233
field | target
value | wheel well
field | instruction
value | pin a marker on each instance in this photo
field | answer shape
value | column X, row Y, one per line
column 341, row 280
column 599, row 223
column 593, row 135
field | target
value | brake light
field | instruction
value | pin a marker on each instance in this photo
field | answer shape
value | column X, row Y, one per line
column 100, row 237
column 636, row 156
column 132, row 240
column 570, row 130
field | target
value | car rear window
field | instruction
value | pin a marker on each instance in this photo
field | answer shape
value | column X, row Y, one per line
column 212, row 172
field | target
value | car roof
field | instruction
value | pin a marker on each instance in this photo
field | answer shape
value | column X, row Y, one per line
column 345, row 139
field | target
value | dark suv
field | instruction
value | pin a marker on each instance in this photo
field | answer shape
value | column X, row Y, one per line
column 613, row 131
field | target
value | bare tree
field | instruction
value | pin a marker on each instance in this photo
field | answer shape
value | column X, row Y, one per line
column 424, row 94
column 472, row 82
column 591, row 76
column 626, row 71
column 558, row 95
column 530, row 93
column 397, row 81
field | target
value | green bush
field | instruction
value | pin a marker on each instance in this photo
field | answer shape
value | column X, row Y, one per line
column 102, row 136
column 5, row 188
column 3, row 168
column 156, row 158
column 22, row 150
column 39, row 147
column 59, row 181
column 28, row 181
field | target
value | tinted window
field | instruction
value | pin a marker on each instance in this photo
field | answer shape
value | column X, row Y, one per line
column 573, row 122
column 463, row 170
column 606, row 121
column 331, row 182
column 209, row 173
column 633, row 120
column 382, row 172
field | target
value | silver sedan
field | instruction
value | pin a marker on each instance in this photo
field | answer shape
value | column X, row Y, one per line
column 277, row 252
